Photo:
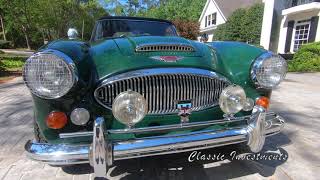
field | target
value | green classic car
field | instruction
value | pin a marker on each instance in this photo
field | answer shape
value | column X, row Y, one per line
column 138, row 89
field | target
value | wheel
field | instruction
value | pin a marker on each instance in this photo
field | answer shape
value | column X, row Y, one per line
column 37, row 135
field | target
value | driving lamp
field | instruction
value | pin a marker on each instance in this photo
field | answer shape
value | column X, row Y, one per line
column 232, row 99
column 129, row 108
column 268, row 70
column 80, row 116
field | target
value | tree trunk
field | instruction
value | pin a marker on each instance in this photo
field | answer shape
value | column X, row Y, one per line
column 82, row 29
column 3, row 30
column 43, row 36
column 27, row 40
column 24, row 29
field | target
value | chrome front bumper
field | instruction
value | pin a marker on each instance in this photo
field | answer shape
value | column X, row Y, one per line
column 103, row 151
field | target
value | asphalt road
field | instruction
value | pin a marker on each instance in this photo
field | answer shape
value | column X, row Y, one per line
column 297, row 100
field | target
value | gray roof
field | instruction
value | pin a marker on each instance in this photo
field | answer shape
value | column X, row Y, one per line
column 228, row 6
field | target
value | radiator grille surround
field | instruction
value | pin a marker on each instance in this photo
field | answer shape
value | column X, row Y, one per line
column 164, row 87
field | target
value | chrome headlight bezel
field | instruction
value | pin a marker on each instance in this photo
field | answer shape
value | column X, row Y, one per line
column 67, row 61
column 258, row 63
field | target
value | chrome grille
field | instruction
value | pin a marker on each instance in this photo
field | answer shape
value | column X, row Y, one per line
column 163, row 88
column 164, row 47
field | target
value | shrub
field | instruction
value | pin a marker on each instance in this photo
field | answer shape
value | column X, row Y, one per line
column 5, row 44
column 187, row 29
column 307, row 59
column 11, row 63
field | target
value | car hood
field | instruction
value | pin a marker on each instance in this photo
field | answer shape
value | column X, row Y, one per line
column 119, row 55
column 128, row 45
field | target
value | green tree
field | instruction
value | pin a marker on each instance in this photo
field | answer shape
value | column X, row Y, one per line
column 184, row 14
column 252, row 24
column 177, row 9
column 243, row 25
column 130, row 7
column 29, row 22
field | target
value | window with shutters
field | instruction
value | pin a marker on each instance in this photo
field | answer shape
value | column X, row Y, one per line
column 301, row 34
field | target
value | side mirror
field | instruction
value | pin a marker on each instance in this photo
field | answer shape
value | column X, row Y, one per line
column 72, row 33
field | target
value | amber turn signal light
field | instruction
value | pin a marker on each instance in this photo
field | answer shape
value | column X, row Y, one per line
column 263, row 102
column 56, row 120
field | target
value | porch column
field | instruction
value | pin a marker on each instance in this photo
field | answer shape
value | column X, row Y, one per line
column 267, row 23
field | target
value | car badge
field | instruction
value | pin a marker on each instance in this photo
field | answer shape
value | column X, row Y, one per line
column 184, row 110
column 167, row 58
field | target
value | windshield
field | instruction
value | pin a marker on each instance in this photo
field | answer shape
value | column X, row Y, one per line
column 123, row 27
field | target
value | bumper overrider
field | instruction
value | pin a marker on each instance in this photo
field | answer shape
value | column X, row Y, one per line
column 103, row 151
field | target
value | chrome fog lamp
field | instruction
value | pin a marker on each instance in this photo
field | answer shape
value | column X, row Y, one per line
column 268, row 70
column 49, row 74
column 129, row 108
column 232, row 99
column 80, row 116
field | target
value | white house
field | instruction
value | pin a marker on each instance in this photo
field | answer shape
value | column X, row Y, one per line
column 216, row 12
column 287, row 24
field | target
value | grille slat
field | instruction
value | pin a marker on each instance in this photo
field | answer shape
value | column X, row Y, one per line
column 162, row 91
column 154, row 95
column 181, row 47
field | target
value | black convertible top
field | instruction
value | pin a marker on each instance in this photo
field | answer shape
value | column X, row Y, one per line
column 133, row 18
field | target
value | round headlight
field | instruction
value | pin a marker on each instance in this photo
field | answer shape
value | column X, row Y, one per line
column 129, row 108
column 49, row 74
column 232, row 99
column 268, row 70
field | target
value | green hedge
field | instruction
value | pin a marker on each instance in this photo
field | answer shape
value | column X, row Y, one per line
column 11, row 63
column 307, row 59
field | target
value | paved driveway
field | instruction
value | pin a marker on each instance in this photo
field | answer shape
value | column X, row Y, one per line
column 297, row 99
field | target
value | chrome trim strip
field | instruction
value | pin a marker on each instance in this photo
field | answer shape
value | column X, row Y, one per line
column 76, row 134
column 162, row 71
column 172, row 127
column 62, row 154
column 269, row 116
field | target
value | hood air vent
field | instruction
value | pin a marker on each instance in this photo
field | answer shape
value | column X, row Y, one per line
column 180, row 47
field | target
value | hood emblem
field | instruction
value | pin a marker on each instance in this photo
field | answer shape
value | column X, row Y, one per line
column 167, row 58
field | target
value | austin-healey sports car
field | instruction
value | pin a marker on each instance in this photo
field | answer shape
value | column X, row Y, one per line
column 137, row 89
